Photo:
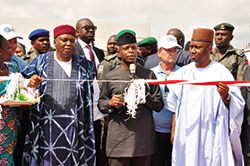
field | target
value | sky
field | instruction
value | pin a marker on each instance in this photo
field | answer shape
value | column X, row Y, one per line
column 161, row 14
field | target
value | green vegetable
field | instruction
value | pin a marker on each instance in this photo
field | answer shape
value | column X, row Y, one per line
column 22, row 97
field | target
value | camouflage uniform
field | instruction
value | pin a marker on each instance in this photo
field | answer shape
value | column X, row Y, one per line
column 108, row 64
column 233, row 60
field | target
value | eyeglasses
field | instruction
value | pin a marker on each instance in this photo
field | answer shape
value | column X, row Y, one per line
column 87, row 28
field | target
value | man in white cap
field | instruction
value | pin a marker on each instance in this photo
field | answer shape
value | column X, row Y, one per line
column 8, row 32
column 167, row 52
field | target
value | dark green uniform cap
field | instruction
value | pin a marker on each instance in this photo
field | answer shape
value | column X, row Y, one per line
column 125, row 37
column 224, row 26
column 147, row 41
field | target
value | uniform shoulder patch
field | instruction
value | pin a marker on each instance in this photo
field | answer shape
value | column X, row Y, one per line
column 100, row 69
column 240, row 52
column 108, row 58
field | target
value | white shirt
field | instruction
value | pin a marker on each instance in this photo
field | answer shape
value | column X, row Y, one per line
column 86, row 52
column 67, row 66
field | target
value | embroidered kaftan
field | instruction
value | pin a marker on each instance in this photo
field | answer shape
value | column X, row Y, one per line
column 207, row 132
column 61, row 136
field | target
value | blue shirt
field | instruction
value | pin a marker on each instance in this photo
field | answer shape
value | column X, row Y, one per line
column 163, row 119
column 18, row 62
column 183, row 58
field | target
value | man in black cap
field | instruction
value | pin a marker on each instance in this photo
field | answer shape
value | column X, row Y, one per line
column 128, row 143
column 40, row 42
column 109, row 63
column 233, row 59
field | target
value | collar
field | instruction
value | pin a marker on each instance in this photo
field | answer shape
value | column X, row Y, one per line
column 160, row 71
column 230, row 49
column 83, row 44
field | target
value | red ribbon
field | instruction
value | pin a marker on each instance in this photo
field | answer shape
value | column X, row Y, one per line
column 198, row 83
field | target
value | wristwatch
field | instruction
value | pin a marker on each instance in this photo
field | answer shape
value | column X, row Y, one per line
column 227, row 98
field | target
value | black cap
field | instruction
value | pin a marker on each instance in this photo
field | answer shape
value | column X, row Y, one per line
column 125, row 37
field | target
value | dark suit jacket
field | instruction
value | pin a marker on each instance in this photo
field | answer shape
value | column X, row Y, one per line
column 99, row 53
column 245, row 132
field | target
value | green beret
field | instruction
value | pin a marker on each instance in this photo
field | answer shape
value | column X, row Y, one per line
column 124, row 31
column 224, row 26
column 147, row 41
column 125, row 37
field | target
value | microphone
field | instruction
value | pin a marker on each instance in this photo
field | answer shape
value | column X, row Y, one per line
column 132, row 70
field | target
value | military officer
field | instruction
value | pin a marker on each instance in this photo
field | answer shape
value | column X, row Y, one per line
column 109, row 62
column 233, row 59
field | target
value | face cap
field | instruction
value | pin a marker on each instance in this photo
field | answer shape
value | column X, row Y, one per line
column 8, row 32
column 167, row 42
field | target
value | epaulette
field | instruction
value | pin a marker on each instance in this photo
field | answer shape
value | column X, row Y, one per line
column 108, row 58
column 240, row 52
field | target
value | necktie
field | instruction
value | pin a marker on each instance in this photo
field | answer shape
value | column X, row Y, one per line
column 92, row 57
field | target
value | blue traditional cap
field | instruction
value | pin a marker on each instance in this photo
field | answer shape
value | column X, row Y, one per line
column 38, row 33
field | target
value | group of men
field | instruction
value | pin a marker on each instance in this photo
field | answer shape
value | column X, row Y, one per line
column 202, row 124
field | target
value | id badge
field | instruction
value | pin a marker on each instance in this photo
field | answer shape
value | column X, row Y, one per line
column 164, row 96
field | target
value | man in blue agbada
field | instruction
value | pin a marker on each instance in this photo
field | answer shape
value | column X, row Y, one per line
column 61, row 126
column 208, row 118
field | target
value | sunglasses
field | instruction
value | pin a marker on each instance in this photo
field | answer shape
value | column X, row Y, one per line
column 87, row 28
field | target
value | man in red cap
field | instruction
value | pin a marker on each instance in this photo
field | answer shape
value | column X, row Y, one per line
column 207, row 119
column 61, row 126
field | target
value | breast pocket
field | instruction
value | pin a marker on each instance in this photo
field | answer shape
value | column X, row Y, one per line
column 231, row 66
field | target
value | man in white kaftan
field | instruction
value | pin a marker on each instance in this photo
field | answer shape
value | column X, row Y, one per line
column 208, row 124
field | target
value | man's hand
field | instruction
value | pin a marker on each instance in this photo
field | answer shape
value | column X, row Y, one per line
column 35, row 81
column 173, row 128
column 223, row 90
column 115, row 101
